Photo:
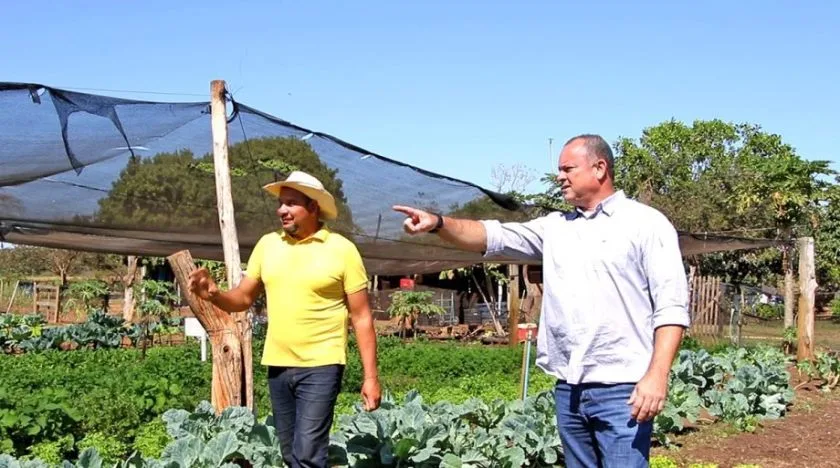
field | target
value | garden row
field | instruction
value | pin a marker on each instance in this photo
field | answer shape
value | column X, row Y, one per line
column 55, row 405
column 28, row 333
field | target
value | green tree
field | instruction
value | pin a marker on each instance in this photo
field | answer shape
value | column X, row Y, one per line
column 22, row 261
column 176, row 191
column 826, row 234
column 720, row 177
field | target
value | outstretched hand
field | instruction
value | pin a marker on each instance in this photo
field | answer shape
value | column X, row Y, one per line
column 417, row 221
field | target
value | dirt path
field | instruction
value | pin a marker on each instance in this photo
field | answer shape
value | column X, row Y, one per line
column 809, row 436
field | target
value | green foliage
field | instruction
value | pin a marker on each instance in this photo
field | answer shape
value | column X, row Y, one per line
column 26, row 419
column 834, row 306
column 155, row 298
column 28, row 334
column 472, row 434
column 16, row 329
column 825, row 367
column 52, row 451
column 661, row 461
column 739, row 386
column 23, row 261
column 770, row 311
column 109, row 448
column 715, row 176
column 826, row 232
column 177, row 190
column 115, row 393
column 87, row 295
column 407, row 305
column 151, row 439
column 551, row 199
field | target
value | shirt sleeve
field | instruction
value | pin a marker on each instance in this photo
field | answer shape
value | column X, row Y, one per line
column 666, row 275
column 517, row 240
column 254, row 269
column 355, row 274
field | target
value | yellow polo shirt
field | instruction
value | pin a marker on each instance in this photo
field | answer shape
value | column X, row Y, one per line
column 306, row 283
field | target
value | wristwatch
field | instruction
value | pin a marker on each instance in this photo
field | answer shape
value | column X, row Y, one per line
column 439, row 223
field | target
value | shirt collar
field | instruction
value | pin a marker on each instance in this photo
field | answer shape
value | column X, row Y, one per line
column 607, row 205
column 319, row 235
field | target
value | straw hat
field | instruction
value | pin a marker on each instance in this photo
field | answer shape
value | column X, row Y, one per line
column 309, row 186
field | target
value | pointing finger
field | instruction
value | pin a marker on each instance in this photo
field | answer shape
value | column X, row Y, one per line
column 407, row 210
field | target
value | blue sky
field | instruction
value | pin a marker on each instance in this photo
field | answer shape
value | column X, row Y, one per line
column 456, row 87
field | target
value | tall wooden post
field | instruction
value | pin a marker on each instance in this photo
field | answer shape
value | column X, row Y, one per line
column 227, row 223
column 807, row 290
column 513, row 305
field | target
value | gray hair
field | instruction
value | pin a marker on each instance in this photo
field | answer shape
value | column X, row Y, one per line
column 597, row 148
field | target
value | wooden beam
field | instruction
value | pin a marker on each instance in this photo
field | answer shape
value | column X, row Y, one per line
column 807, row 290
column 227, row 223
column 228, row 380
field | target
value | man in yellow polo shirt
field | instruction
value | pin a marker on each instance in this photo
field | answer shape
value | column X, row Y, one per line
column 314, row 279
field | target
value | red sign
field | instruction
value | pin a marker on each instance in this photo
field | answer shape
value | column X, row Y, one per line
column 406, row 283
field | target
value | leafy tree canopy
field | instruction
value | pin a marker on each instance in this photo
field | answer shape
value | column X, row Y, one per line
column 176, row 191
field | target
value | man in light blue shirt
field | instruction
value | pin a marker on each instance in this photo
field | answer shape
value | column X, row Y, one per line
column 614, row 305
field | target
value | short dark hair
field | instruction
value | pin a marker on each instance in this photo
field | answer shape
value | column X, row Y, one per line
column 597, row 148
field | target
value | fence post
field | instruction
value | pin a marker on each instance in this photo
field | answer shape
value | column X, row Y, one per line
column 513, row 304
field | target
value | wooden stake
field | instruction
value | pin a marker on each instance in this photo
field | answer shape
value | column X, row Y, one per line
column 128, row 288
column 807, row 289
column 12, row 300
column 227, row 223
column 513, row 305
column 228, row 380
column 790, row 295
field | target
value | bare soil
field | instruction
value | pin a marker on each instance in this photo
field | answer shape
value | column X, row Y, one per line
column 808, row 436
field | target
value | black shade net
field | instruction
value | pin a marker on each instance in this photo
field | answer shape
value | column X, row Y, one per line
column 97, row 173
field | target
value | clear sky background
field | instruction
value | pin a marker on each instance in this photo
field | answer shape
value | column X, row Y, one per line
column 455, row 87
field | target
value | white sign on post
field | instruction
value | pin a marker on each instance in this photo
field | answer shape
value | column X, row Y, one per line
column 192, row 327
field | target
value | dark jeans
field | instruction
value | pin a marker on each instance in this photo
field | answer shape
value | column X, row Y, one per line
column 303, row 402
column 596, row 428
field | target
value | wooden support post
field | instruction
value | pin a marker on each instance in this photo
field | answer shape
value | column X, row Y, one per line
column 12, row 300
column 227, row 223
column 228, row 380
column 513, row 305
column 787, row 266
column 57, row 304
column 790, row 294
column 807, row 289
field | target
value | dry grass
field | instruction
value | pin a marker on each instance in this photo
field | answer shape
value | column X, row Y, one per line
column 827, row 333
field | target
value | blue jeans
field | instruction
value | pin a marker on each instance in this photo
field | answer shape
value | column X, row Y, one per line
column 596, row 428
column 303, row 403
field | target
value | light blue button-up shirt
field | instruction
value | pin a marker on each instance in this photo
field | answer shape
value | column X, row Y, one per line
column 611, row 278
